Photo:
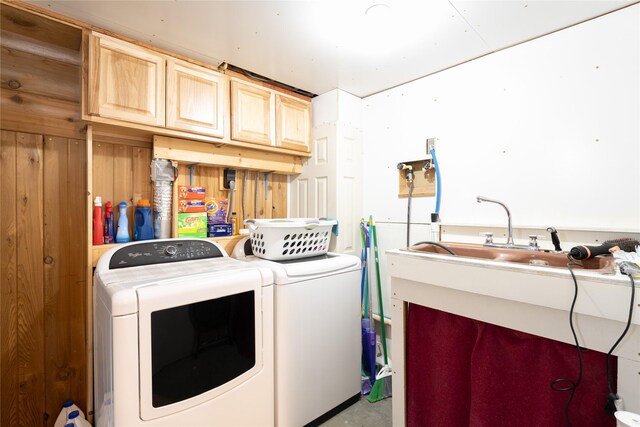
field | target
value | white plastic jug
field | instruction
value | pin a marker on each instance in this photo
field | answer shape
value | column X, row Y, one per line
column 76, row 420
column 67, row 407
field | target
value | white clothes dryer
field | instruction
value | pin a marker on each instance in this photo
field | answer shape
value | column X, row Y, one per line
column 183, row 335
column 317, row 334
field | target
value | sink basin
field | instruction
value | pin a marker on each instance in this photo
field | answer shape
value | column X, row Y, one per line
column 537, row 258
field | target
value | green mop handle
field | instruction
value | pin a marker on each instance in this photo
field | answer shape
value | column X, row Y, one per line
column 382, row 326
column 365, row 285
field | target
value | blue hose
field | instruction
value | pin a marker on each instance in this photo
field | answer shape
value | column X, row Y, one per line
column 438, row 190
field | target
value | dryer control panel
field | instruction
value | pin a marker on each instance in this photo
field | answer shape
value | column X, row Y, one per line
column 161, row 252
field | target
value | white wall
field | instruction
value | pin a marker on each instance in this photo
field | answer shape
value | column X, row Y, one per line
column 550, row 127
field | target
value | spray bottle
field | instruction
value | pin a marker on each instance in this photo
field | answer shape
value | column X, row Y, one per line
column 108, row 224
column 122, row 236
column 98, row 222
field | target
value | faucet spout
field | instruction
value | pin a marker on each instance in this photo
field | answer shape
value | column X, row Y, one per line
column 481, row 199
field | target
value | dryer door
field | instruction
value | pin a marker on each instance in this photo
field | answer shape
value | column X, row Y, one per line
column 199, row 337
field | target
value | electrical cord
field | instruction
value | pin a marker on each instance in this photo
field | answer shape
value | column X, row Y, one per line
column 571, row 385
column 436, row 244
column 612, row 397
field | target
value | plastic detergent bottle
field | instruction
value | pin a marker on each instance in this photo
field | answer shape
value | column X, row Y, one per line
column 122, row 236
column 108, row 223
column 98, row 222
column 144, row 223
column 63, row 417
column 76, row 420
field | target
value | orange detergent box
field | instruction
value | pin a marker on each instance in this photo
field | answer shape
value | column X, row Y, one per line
column 191, row 205
column 192, row 224
column 189, row 192
column 217, row 209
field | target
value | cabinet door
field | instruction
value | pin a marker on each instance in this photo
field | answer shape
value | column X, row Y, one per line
column 293, row 123
column 252, row 113
column 196, row 99
column 126, row 82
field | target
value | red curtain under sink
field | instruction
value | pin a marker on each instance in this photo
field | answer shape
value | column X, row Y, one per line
column 464, row 372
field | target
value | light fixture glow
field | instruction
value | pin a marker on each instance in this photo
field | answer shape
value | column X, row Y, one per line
column 377, row 11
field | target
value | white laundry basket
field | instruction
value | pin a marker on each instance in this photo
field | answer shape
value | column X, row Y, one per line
column 292, row 238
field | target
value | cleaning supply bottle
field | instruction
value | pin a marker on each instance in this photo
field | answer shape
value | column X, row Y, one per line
column 122, row 236
column 67, row 408
column 98, row 222
column 108, row 223
column 77, row 420
column 144, row 223
column 234, row 224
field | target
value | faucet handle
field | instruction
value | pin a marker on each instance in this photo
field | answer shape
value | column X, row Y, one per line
column 533, row 242
column 488, row 237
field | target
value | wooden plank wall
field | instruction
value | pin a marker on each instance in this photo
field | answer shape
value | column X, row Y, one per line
column 43, row 271
column 274, row 205
column 42, row 220
column 40, row 75
column 121, row 173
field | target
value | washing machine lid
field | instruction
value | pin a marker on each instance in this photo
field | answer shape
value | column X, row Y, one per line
column 117, row 286
column 291, row 271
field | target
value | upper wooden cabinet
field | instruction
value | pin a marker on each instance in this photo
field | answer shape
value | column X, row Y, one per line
column 263, row 116
column 124, row 86
column 252, row 113
column 293, row 123
column 126, row 82
column 197, row 99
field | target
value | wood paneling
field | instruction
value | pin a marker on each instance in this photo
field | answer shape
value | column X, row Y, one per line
column 38, row 55
column 121, row 173
column 34, row 74
column 26, row 112
column 141, row 181
column 279, row 192
column 43, row 50
column 43, row 284
column 64, row 267
column 8, row 281
column 39, row 28
column 274, row 206
column 42, row 221
column 31, row 348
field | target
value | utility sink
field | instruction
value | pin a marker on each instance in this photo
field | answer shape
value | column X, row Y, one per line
column 537, row 258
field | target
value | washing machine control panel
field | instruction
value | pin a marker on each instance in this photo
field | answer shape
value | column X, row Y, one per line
column 150, row 252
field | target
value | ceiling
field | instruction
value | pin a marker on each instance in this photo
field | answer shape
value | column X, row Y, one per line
column 318, row 46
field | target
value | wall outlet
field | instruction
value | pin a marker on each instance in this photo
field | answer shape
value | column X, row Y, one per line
column 229, row 175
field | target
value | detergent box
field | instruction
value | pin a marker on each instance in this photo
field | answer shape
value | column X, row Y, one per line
column 217, row 230
column 217, row 209
column 189, row 192
column 191, row 205
column 192, row 224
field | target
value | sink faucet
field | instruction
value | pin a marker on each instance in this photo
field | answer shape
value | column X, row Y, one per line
column 554, row 238
column 481, row 199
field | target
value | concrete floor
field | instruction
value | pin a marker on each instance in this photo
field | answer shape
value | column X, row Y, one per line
column 363, row 414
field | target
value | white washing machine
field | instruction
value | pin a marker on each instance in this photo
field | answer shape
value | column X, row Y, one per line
column 183, row 336
column 317, row 335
